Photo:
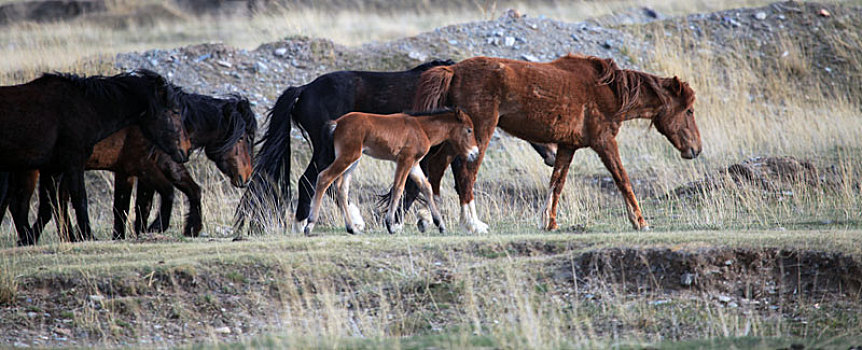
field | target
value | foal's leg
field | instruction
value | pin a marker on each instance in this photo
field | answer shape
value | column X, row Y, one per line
column 609, row 152
column 401, row 173
column 558, row 180
column 418, row 177
column 348, row 210
column 324, row 180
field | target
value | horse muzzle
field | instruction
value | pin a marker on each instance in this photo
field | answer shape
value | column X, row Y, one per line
column 473, row 154
column 691, row 153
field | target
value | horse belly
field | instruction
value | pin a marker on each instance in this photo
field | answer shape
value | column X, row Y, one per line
column 21, row 149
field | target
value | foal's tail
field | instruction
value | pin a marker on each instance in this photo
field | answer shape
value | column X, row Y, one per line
column 432, row 89
column 270, row 184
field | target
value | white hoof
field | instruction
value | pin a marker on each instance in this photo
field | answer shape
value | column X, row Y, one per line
column 395, row 228
column 356, row 217
column 308, row 229
column 299, row 226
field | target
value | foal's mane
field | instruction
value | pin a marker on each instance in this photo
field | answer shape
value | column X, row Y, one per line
column 232, row 115
column 109, row 92
column 437, row 111
column 627, row 85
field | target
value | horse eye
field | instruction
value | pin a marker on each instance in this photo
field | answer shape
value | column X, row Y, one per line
column 469, row 131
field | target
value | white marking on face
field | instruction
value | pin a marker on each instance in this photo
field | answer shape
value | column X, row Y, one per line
column 473, row 154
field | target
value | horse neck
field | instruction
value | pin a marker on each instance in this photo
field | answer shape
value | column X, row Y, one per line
column 118, row 117
column 438, row 127
column 647, row 102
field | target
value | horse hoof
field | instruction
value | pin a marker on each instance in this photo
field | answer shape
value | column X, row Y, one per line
column 239, row 239
column 299, row 225
column 395, row 228
column 356, row 217
column 442, row 228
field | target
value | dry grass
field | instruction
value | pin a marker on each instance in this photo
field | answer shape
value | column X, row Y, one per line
column 418, row 290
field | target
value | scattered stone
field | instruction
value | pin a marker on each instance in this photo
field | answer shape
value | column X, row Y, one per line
column 225, row 64
column 687, row 279
column 608, row 44
column 824, row 13
column 529, row 58
column 32, row 314
column 96, row 298
column 724, row 299
column 63, row 331
column 760, row 16
column 509, row 41
column 222, row 330
column 280, row 52
column 416, row 55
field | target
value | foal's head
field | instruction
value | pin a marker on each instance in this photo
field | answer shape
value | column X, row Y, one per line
column 462, row 136
column 676, row 120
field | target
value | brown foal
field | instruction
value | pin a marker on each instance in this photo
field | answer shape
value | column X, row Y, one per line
column 402, row 138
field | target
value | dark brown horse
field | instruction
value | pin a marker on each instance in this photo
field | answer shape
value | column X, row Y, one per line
column 574, row 102
column 402, row 138
column 52, row 123
column 224, row 128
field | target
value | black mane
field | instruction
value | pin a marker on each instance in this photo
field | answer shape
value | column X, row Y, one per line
column 110, row 94
column 428, row 65
column 231, row 115
column 437, row 111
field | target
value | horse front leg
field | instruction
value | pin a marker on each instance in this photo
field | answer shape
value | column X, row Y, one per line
column 418, row 177
column 122, row 196
column 609, row 153
column 558, row 180
column 401, row 172
column 465, row 175
column 434, row 165
column 74, row 179
column 188, row 186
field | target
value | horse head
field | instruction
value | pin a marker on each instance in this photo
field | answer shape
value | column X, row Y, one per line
column 236, row 161
column 164, row 124
column 463, row 137
column 676, row 119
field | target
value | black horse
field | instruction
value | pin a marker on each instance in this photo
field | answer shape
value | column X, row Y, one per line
column 311, row 106
column 52, row 123
column 223, row 127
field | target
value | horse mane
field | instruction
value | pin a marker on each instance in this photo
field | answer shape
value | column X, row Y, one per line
column 438, row 111
column 431, row 64
column 627, row 85
column 105, row 92
column 207, row 112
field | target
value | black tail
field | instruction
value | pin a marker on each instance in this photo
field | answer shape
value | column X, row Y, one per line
column 270, row 184
column 4, row 190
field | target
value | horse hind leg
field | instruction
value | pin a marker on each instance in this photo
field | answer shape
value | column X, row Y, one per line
column 418, row 176
column 558, row 180
column 324, row 180
column 352, row 218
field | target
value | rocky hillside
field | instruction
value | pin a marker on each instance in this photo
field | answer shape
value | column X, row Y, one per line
column 263, row 73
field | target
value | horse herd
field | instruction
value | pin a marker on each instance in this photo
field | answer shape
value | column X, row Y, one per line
column 138, row 125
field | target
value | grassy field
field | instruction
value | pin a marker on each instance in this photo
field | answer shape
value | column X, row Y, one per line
column 771, row 266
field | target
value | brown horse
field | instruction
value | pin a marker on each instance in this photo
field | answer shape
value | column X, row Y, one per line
column 573, row 101
column 402, row 138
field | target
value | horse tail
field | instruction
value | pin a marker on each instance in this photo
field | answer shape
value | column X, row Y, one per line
column 433, row 87
column 270, row 184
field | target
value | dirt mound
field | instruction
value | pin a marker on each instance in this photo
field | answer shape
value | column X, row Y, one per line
column 776, row 175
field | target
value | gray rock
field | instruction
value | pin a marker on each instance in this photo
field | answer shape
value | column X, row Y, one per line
column 760, row 15
column 686, row 279
column 280, row 52
column 509, row 41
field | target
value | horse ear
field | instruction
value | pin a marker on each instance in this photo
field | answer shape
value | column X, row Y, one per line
column 676, row 85
column 459, row 115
